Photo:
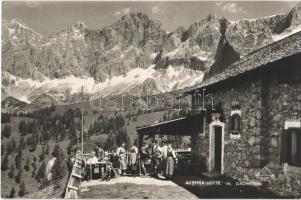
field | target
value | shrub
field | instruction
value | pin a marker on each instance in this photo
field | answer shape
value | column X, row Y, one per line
column 12, row 193
column 22, row 191
column 4, row 165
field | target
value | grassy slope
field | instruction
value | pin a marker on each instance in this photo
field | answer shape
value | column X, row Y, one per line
column 31, row 184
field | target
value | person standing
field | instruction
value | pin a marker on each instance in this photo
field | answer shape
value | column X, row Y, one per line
column 133, row 159
column 170, row 163
column 121, row 153
column 164, row 157
column 144, row 156
column 156, row 158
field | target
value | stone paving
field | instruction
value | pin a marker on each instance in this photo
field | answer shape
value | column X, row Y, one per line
column 133, row 187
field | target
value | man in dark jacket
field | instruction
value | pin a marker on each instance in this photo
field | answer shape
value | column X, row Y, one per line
column 156, row 157
column 144, row 156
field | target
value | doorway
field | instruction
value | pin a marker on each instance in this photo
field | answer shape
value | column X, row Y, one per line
column 216, row 148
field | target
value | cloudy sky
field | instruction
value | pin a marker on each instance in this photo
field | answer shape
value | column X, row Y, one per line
column 49, row 17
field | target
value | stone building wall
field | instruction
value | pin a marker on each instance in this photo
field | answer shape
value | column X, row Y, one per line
column 244, row 153
column 282, row 99
column 266, row 102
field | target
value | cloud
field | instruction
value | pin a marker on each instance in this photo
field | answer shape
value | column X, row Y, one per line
column 219, row 3
column 126, row 10
column 123, row 11
column 156, row 10
column 32, row 4
column 117, row 13
column 230, row 7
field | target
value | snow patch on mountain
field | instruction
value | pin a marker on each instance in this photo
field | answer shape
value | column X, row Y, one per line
column 286, row 33
column 166, row 80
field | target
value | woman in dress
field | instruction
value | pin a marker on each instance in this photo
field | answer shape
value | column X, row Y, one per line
column 121, row 153
column 170, row 163
column 133, row 159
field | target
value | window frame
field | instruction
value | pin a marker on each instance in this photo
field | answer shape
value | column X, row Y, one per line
column 288, row 127
column 234, row 134
column 290, row 146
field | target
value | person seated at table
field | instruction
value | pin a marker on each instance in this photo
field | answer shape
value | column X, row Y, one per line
column 106, row 156
column 89, row 165
column 100, row 153
column 93, row 159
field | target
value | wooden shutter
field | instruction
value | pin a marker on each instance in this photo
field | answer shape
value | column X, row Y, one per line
column 284, row 148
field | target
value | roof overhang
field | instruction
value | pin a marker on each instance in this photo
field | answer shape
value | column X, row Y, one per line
column 183, row 126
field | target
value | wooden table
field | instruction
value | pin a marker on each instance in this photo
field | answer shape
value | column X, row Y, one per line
column 102, row 163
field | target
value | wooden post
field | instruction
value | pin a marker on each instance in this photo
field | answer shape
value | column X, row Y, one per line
column 140, row 140
column 82, row 131
column 90, row 171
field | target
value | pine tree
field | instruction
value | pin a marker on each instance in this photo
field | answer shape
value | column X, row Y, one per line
column 4, row 165
column 11, row 146
column 11, row 173
column 59, row 167
column 42, row 155
column 18, row 159
column 22, row 144
column 47, row 150
column 41, row 174
column 18, row 177
column 22, row 191
column 6, row 131
column 12, row 193
column 56, row 151
column 27, row 165
column 34, row 168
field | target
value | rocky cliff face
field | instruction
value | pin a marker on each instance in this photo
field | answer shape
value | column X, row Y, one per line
column 130, row 56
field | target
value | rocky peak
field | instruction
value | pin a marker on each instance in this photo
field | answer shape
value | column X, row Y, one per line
column 295, row 14
column 76, row 31
column 80, row 25
column 292, row 18
column 132, row 44
column 135, row 15
column 17, row 33
column 211, row 17
column 16, row 23
column 134, row 28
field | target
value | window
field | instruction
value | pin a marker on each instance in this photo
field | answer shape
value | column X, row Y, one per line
column 291, row 146
column 234, row 122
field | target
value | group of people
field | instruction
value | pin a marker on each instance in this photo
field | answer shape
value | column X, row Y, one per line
column 162, row 158
column 156, row 159
column 101, row 158
column 122, row 159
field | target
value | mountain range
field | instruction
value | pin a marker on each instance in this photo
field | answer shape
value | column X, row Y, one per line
column 133, row 56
